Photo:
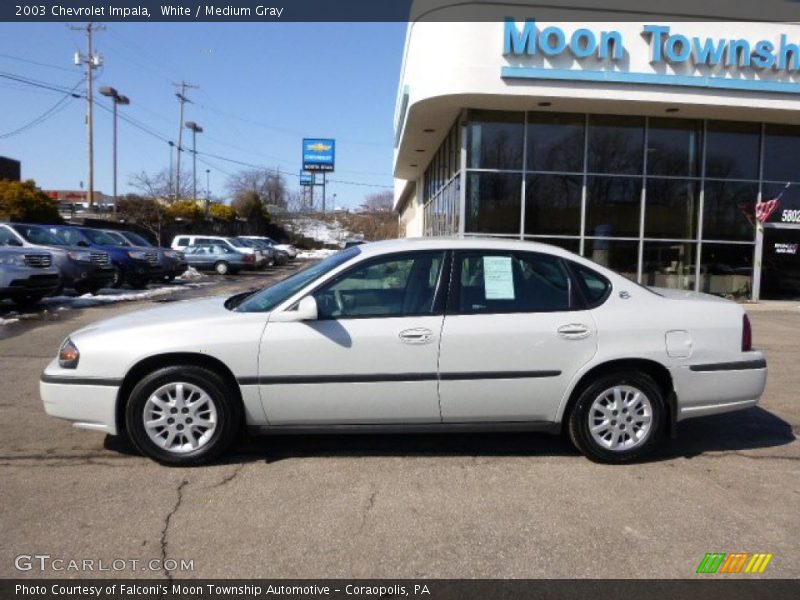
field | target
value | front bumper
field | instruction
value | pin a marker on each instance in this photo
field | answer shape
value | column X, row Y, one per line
column 22, row 281
column 715, row 388
column 87, row 404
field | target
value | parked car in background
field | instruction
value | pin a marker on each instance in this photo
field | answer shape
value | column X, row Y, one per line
column 133, row 265
column 274, row 256
column 82, row 269
column 383, row 337
column 27, row 275
column 218, row 257
column 351, row 243
column 181, row 242
column 172, row 262
column 290, row 250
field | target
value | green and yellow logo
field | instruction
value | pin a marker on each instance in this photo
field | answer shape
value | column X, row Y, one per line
column 736, row 562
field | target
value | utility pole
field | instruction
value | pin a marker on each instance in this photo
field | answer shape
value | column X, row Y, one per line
column 92, row 62
column 208, row 190
column 181, row 95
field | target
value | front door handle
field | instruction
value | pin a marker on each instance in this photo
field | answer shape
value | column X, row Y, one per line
column 574, row 331
column 418, row 335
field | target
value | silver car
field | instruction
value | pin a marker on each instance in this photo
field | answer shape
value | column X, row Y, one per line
column 27, row 276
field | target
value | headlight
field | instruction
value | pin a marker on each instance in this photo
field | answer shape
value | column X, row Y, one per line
column 171, row 254
column 13, row 259
column 80, row 256
column 68, row 355
column 137, row 254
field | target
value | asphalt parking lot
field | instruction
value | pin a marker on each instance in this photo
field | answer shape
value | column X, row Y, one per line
column 518, row 505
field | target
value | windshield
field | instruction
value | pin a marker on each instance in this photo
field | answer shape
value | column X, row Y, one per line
column 101, row 238
column 116, row 239
column 137, row 239
column 248, row 243
column 37, row 235
column 270, row 297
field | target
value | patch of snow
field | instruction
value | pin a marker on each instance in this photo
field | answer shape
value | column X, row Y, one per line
column 112, row 296
column 191, row 274
column 322, row 231
column 8, row 321
column 315, row 254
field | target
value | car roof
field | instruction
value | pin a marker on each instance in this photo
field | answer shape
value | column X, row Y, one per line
column 476, row 243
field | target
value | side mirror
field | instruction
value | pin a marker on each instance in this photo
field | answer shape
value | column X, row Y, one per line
column 82, row 244
column 13, row 242
column 306, row 311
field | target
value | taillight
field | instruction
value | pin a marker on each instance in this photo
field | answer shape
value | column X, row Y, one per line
column 248, row 258
column 747, row 335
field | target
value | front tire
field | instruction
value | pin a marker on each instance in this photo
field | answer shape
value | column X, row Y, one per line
column 617, row 418
column 183, row 415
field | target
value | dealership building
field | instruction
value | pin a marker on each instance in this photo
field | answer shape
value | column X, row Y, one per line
column 652, row 147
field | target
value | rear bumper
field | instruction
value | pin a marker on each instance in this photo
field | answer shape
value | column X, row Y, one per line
column 715, row 388
column 86, row 405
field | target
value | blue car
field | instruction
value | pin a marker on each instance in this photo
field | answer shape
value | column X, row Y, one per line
column 134, row 265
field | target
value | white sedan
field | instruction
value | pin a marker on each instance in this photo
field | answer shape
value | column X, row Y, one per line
column 411, row 336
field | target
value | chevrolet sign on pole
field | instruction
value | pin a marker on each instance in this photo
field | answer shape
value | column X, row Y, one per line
column 318, row 154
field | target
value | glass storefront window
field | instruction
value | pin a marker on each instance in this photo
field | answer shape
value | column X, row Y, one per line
column 613, row 205
column 495, row 140
column 555, row 142
column 618, row 255
column 669, row 264
column 732, row 150
column 781, row 149
column 493, row 203
column 729, row 210
column 671, row 208
column 616, row 144
column 727, row 269
column 674, row 147
column 553, row 204
column 571, row 244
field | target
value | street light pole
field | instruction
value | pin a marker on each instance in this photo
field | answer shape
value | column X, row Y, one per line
column 169, row 190
column 116, row 99
column 195, row 130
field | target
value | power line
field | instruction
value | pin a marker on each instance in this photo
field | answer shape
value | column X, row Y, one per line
column 36, row 83
column 53, row 110
column 33, row 62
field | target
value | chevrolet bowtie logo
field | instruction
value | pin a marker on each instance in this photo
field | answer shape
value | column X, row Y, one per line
column 319, row 147
column 736, row 562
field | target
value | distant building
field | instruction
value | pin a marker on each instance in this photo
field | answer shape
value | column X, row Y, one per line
column 67, row 199
column 10, row 169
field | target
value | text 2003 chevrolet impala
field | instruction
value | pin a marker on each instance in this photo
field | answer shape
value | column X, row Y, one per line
column 414, row 335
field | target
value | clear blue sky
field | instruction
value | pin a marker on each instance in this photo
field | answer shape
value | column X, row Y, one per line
column 262, row 88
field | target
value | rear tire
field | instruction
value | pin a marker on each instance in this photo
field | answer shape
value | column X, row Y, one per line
column 183, row 415
column 222, row 268
column 618, row 417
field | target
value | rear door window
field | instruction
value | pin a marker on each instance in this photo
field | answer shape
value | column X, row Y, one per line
column 511, row 282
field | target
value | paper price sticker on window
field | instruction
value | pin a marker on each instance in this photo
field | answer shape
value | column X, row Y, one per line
column 498, row 278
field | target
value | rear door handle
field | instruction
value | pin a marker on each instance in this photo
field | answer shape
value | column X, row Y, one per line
column 418, row 335
column 574, row 331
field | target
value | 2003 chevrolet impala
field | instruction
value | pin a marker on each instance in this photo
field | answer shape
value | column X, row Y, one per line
column 414, row 335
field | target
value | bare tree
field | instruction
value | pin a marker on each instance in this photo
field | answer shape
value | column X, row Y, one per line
column 379, row 202
column 145, row 212
column 157, row 185
column 269, row 184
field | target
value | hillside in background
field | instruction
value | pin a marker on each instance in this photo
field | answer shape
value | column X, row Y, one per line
column 332, row 230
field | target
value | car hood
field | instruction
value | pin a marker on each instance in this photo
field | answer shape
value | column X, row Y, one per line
column 168, row 315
